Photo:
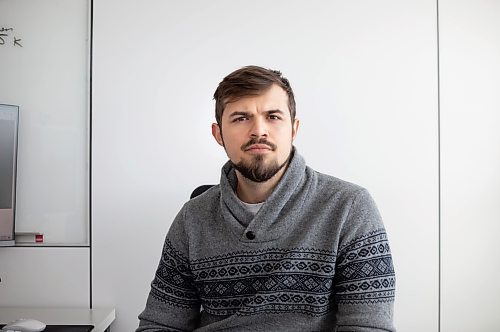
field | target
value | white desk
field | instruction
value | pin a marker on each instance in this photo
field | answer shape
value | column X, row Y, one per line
column 101, row 318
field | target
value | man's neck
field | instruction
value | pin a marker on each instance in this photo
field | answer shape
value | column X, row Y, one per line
column 256, row 192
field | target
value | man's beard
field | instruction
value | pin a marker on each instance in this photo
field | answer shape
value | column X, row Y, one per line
column 256, row 170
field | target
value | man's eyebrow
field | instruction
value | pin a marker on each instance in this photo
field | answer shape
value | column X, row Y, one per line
column 238, row 113
column 243, row 113
column 275, row 111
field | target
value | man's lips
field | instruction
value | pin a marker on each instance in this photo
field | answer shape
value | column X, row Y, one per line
column 257, row 147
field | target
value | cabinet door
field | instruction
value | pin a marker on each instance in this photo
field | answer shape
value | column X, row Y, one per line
column 44, row 277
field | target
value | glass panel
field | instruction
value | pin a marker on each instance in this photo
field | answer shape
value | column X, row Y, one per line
column 44, row 56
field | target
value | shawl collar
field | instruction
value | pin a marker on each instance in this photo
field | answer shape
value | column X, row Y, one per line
column 276, row 214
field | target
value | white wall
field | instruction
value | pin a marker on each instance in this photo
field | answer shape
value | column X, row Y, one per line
column 470, row 109
column 364, row 74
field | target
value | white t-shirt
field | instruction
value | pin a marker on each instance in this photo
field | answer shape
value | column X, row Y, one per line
column 252, row 208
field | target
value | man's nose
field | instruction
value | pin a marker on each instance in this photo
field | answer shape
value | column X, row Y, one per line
column 259, row 128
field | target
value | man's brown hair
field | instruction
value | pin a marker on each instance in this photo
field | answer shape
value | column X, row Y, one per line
column 250, row 81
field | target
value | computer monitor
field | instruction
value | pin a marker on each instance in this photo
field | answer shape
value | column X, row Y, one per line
column 9, row 118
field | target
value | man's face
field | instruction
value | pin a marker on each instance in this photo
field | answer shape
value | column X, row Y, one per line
column 257, row 133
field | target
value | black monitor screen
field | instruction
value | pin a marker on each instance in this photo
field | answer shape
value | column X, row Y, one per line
column 8, row 156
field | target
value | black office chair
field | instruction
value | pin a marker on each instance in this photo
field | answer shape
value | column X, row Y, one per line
column 200, row 190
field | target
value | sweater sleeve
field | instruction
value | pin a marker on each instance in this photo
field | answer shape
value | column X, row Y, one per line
column 365, row 278
column 173, row 303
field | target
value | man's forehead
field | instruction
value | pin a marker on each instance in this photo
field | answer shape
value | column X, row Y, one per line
column 275, row 95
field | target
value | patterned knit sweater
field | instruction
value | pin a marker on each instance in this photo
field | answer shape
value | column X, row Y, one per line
column 314, row 258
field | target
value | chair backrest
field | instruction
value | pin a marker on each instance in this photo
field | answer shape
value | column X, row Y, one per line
column 200, row 190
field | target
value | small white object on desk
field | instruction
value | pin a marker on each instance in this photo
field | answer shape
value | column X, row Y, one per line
column 24, row 325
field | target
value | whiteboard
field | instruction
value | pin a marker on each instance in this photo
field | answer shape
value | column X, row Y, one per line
column 44, row 56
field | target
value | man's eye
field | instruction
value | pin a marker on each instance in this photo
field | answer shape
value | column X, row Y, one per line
column 240, row 119
column 274, row 117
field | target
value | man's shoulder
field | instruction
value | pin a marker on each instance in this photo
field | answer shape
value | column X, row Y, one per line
column 326, row 182
column 204, row 197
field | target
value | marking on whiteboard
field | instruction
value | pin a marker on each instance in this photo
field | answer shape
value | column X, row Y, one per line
column 6, row 36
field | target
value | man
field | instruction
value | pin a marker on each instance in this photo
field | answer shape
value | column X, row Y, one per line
column 276, row 246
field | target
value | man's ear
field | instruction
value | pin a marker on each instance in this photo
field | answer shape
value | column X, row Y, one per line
column 217, row 134
column 295, row 128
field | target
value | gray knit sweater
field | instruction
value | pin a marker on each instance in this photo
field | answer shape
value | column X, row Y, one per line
column 314, row 258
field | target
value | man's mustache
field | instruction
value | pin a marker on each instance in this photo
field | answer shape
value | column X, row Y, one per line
column 254, row 141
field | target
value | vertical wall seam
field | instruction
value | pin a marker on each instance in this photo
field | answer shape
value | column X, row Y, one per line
column 90, row 150
column 439, row 162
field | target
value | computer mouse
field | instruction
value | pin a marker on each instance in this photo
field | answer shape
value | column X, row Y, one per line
column 25, row 325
